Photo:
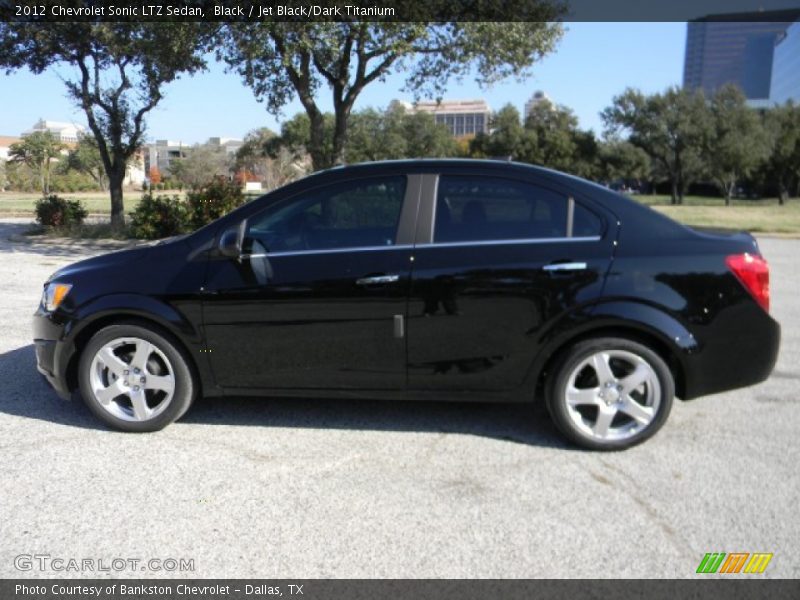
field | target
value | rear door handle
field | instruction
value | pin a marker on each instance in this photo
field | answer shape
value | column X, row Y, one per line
column 565, row 266
column 377, row 279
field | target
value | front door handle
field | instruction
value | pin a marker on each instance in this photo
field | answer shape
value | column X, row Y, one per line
column 377, row 279
column 565, row 266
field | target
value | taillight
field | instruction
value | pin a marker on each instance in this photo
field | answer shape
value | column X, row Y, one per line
column 753, row 272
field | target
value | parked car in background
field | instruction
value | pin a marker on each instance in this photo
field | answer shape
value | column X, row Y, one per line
column 421, row 280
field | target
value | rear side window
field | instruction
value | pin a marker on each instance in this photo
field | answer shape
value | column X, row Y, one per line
column 484, row 208
column 585, row 223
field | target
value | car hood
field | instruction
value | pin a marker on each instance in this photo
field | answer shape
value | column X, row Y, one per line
column 110, row 259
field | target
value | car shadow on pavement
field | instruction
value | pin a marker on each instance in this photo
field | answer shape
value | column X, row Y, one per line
column 25, row 393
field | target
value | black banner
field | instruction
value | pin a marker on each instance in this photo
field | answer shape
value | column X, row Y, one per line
column 734, row 588
column 398, row 10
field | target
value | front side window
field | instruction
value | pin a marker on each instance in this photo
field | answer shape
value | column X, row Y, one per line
column 486, row 209
column 354, row 214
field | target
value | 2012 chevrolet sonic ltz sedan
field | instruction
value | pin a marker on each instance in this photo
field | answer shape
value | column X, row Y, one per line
column 430, row 279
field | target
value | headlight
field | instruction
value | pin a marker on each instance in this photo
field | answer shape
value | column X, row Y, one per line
column 54, row 294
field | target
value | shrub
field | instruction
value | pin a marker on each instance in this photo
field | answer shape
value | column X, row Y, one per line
column 217, row 198
column 55, row 211
column 158, row 217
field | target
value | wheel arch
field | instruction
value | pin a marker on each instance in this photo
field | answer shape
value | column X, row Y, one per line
column 637, row 322
column 90, row 327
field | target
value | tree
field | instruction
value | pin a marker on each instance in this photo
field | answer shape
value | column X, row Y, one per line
column 119, row 71
column 735, row 141
column 549, row 137
column 395, row 134
column 271, row 164
column 556, row 141
column 279, row 60
column 783, row 167
column 85, row 158
column 201, row 164
column 37, row 151
column 508, row 137
column 374, row 135
column 619, row 159
column 669, row 127
column 154, row 175
column 3, row 177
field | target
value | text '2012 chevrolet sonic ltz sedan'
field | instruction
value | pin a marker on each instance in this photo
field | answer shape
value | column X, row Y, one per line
column 429, row 279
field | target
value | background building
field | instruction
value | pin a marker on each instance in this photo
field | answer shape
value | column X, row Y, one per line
column 6, row 141
column 736, row 48
column 230, row 145
column 538, row 97
column 161, row 153
column 464, row 118
column 786, row 67
column 66, row 133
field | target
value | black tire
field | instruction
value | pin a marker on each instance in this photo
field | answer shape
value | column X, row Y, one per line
column 565, row 418
column 185, row 386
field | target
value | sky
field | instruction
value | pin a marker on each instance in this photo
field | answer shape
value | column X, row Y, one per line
column 592, row 63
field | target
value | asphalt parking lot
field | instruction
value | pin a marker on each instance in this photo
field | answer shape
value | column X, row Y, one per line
column 308, row 489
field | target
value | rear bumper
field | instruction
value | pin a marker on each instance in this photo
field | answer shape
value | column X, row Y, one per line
column 740, row 353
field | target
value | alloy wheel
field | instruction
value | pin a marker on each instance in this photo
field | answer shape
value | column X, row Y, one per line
column 612, row 395
column 132, row 379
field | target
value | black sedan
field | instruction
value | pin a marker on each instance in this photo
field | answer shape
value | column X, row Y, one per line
column 434, row 279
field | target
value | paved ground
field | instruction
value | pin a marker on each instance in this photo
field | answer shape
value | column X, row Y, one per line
column 360, row 489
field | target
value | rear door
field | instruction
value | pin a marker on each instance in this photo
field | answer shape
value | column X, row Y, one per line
column 498, row 261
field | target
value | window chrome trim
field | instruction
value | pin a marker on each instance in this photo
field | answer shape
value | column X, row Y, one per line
column 341, row 250
column 518, row 241
column 515, row 242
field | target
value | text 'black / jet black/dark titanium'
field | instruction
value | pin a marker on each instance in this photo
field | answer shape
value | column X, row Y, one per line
column 430, row 279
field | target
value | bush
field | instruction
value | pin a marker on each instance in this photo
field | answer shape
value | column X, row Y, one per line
column 217, row 198
column 72, row 181
column 158, row 217
column 55, row 211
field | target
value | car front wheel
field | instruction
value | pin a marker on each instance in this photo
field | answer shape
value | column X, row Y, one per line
column 134, row 378
column 610, row 393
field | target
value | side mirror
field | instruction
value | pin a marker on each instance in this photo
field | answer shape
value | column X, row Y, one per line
column 230, row 242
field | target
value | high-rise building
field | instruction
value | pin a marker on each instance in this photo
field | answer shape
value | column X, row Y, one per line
column 538, row 97
column 464, row 118
column 735, row 48
column 786, row 67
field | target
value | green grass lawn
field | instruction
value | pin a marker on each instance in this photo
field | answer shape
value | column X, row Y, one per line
column 22, row 204
column 757, row 216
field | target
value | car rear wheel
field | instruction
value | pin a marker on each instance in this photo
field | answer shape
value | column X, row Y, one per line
column 134, row 378
column 610, row 393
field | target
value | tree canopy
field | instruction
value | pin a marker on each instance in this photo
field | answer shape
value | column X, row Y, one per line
column 37, row 150
column 119, row 70
column 669, row 127
column 281, row 61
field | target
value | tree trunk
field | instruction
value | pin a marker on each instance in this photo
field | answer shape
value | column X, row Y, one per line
column 316, row 146
column 674, row 190
column 43, row 179
column 783, row 195
column 339, row 136
column 115, row 180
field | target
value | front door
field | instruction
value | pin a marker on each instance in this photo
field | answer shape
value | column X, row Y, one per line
column 318, row 300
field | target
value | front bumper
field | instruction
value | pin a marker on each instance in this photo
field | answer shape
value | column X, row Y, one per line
column 53, row 350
